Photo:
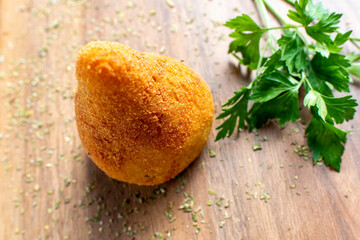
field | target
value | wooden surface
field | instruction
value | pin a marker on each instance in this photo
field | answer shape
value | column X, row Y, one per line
column 49, row 189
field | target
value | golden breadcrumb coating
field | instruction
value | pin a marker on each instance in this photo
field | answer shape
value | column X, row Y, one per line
column 142, row 117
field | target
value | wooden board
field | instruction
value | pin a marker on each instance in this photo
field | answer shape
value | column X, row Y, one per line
column 49, row 189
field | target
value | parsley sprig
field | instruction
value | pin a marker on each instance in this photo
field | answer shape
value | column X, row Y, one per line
column 313, row 63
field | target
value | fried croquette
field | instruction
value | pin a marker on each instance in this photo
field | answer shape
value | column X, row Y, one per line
column 142, row 117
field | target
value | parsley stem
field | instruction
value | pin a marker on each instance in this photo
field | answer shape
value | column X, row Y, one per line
column 354, row 39
column 282, row 27
column 302, row 81
column 262, row 56
column 291, row 2
column 262, row 10
column 276, row 14
column 238, row 58
column 264, row 16
column 302, row 37
column 354, row 43
column 304, row 78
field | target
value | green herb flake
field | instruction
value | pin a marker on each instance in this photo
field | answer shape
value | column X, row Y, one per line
column 170, row 3
column 159, row 235
column 67, row 181
column 212, row 153
column 211, row 192
column 193, row 216
column 256, row 147
column 222, row 223
column 67, row 200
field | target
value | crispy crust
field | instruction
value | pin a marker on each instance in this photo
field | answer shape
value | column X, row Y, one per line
column 142, row 117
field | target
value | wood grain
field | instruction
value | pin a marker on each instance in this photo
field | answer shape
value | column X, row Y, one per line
column 49, row 189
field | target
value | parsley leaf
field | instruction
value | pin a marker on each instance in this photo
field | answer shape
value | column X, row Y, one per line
column 260, row 113
column 270, row 86
column 316, row 11
column 318, row 83
column 314, row 98
column 243, row 23
column 332, row 70
column 247, row 36
column 339, row 109
column 273, row 63
column 340, row 39
column 300, row 14
column 354, row 69
column 293, row 51
column 326, row 141
column 238, row 113
column 325, row 25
